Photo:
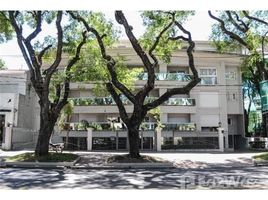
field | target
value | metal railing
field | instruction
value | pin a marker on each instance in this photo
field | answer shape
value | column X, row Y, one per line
column 105, row 101
column 145, row 126
column 166, row 76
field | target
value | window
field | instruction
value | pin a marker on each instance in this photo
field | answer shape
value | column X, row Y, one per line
column 230, row 75
column 209, row 129
column 234, row 96
column 208, row 76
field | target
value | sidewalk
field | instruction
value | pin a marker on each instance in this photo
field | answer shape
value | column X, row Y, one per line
column 87, row 160
column 183, row 160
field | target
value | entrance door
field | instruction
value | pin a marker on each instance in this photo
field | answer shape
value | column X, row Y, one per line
column 2, row 125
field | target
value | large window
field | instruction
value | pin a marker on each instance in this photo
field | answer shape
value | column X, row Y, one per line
column 230, row 75
column 208, row 76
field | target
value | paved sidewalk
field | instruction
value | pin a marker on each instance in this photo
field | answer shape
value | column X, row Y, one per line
column 191, row 160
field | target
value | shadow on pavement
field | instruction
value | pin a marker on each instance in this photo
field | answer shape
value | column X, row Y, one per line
column 211, row 177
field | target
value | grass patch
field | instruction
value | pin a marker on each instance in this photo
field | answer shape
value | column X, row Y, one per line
column 51, row 157
column 263, row 156
column 127, row 159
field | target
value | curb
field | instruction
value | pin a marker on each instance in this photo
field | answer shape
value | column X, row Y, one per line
column 141, row 165
column 128, row 166
column 104, row 167
column 49, row 165
column 260, row 162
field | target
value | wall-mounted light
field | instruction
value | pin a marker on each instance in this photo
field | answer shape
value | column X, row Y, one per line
column 219, row 124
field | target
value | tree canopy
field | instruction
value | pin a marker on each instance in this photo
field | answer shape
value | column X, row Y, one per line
column 150, row 61
column 245, row 32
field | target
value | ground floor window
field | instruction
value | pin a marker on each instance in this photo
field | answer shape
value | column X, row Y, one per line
column 104, row 143
column 231, row 141
column 76, row 143
column 122, row 143
column 191, row 143
column 148, row 143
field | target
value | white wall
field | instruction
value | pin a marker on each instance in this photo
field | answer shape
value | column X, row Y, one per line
column 209, row 99
column 209, row 120
column 178, row 118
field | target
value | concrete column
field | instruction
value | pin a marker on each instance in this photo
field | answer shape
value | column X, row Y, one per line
column 162, row 68
column 158, row 138
column 89, row 139
column 221, row 139
column 8, row 138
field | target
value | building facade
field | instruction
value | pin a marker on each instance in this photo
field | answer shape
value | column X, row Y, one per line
column 189, row 122
column 18, row 103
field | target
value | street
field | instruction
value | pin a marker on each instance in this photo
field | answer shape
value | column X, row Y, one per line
column 194, row 171
column 208, row 178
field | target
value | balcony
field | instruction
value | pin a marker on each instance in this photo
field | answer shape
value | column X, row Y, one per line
column 166, row 77
column 108, row 101
column 179, row 127
column 109, row 126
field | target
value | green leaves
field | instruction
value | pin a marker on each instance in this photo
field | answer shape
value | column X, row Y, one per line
column 2, row 65
column 155, row 22
column 6, row 30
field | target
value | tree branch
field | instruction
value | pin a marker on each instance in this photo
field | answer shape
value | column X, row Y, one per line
column 231, row 19
column 74, row 60
column 186, row 89
column 38, row 18
column 229, row 33
column 57, row 60
column 159, row 37
column 246, row 26
column 110, row 61
column 116, row 97
column 42, row 53
column 120, row 18
column 21, row 40
column 254, row 18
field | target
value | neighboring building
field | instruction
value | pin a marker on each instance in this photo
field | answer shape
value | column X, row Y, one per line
column 190, row 121
column 18, row 102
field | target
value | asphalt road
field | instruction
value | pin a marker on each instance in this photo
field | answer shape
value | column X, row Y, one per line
column 213, row 177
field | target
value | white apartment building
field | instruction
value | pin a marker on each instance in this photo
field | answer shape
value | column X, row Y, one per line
column 18, row 102
column 189, row 121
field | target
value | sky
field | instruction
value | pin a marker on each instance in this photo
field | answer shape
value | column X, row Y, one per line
column 199, row 25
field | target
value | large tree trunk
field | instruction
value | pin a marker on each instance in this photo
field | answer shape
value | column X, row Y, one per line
column 134, row 140
column 47, row 124
column 246, row 115
column 67, row 133
column 264, row 125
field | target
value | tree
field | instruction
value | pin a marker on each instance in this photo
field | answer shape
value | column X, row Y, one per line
column 41, row 75
column 250, row 95
column 242, row 29
column 150, row 62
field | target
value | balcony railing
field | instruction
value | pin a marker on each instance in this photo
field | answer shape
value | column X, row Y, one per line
column 166, row 77
column 180, row 127
column 145, row 126
column 102, row 101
